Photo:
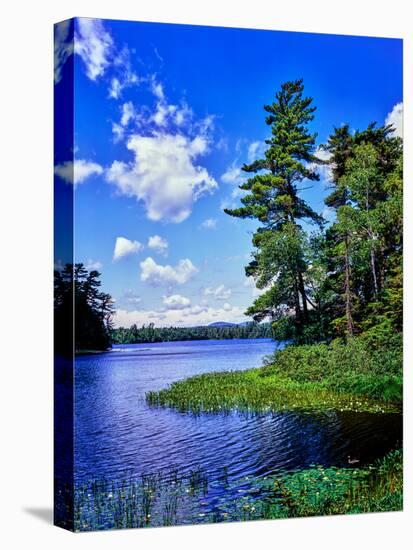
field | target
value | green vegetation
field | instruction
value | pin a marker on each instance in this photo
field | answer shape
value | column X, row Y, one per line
column 78, row 300
column 363, row 374
column 149, row 333
column 322, row 491
column 346, row 276
column 172, row 499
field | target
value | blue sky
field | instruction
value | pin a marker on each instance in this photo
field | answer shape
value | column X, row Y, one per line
column 165, row 115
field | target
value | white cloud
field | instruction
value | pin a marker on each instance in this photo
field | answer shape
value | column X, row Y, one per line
column 129, row 116
column 255, row 292
column 77, row 172
column 125, row 247
column 165, row 114
column 130, row 298
column 222, row 144
column 157, row 89
column 176, row 301
column 156, row 274
column 128, row 113
column 94, row 45
column 233, row 175
column 395, row 117
column 324, row 170
column 229, row 204
column 63, row 47
column 125, row 76
column 162, row 114
column 164, row 174
column 220, row 292
column 158, row 244
column 209, row 223
column 256, row 150
column 191, row 316
column 93, row 265
column 115, row 88
column 118, row 131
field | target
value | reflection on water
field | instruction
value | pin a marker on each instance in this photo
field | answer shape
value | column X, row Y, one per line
column 118, row 435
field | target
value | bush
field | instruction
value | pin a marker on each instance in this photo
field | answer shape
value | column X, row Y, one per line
column 368, row 365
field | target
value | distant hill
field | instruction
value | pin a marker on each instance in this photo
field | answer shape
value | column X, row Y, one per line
column 219, row 324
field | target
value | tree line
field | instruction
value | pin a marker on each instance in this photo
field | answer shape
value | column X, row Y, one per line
column 341, row 278
column 149, row 333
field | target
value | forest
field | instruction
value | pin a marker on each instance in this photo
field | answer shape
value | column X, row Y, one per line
column 341, row 278
column 332, row 289
column 320, row 280
column 150, row 333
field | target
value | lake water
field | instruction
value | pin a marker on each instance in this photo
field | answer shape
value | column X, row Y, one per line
column 117, row 434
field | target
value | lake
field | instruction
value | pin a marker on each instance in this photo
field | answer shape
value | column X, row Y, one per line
column 118, row 435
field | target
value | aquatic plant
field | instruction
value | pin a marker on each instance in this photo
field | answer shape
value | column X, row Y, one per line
column 348, row 377
column 168, row 498
column 249, row 391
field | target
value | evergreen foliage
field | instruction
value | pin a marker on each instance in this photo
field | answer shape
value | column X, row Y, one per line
column 149, row 333
column 344, row 277
column 78, row 298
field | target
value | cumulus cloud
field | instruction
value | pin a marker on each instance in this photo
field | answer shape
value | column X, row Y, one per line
column 209, row 223
column 324, row 170
column 77, row 172
column 164, row 175
column 158, row 244
column 63, row 47
column 125, row 247
column 167, row 114
column 395, row 117
column 191, row 316
column 93, row 265
column 220, row 292
column 94, row 44
column 156, row 275
column 176, row 301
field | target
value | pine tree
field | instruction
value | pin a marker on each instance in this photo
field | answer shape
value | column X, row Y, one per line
column 279, row 262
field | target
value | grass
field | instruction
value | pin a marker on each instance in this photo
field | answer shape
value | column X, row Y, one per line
column 170, row 499
column 349, row 377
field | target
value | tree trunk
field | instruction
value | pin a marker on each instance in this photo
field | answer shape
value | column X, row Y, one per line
column 303, row 295
column 298, row 315
column 347, row 289
column 373, row 270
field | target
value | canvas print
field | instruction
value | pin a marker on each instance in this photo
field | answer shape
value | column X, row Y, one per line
column 228, row 274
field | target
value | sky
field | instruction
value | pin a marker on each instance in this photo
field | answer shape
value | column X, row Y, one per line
column 164, row 117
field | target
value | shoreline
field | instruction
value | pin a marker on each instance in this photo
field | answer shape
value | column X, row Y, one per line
column 92, row 351
column 339, row 376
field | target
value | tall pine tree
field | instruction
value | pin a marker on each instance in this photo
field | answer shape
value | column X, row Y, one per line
column 280, row 263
